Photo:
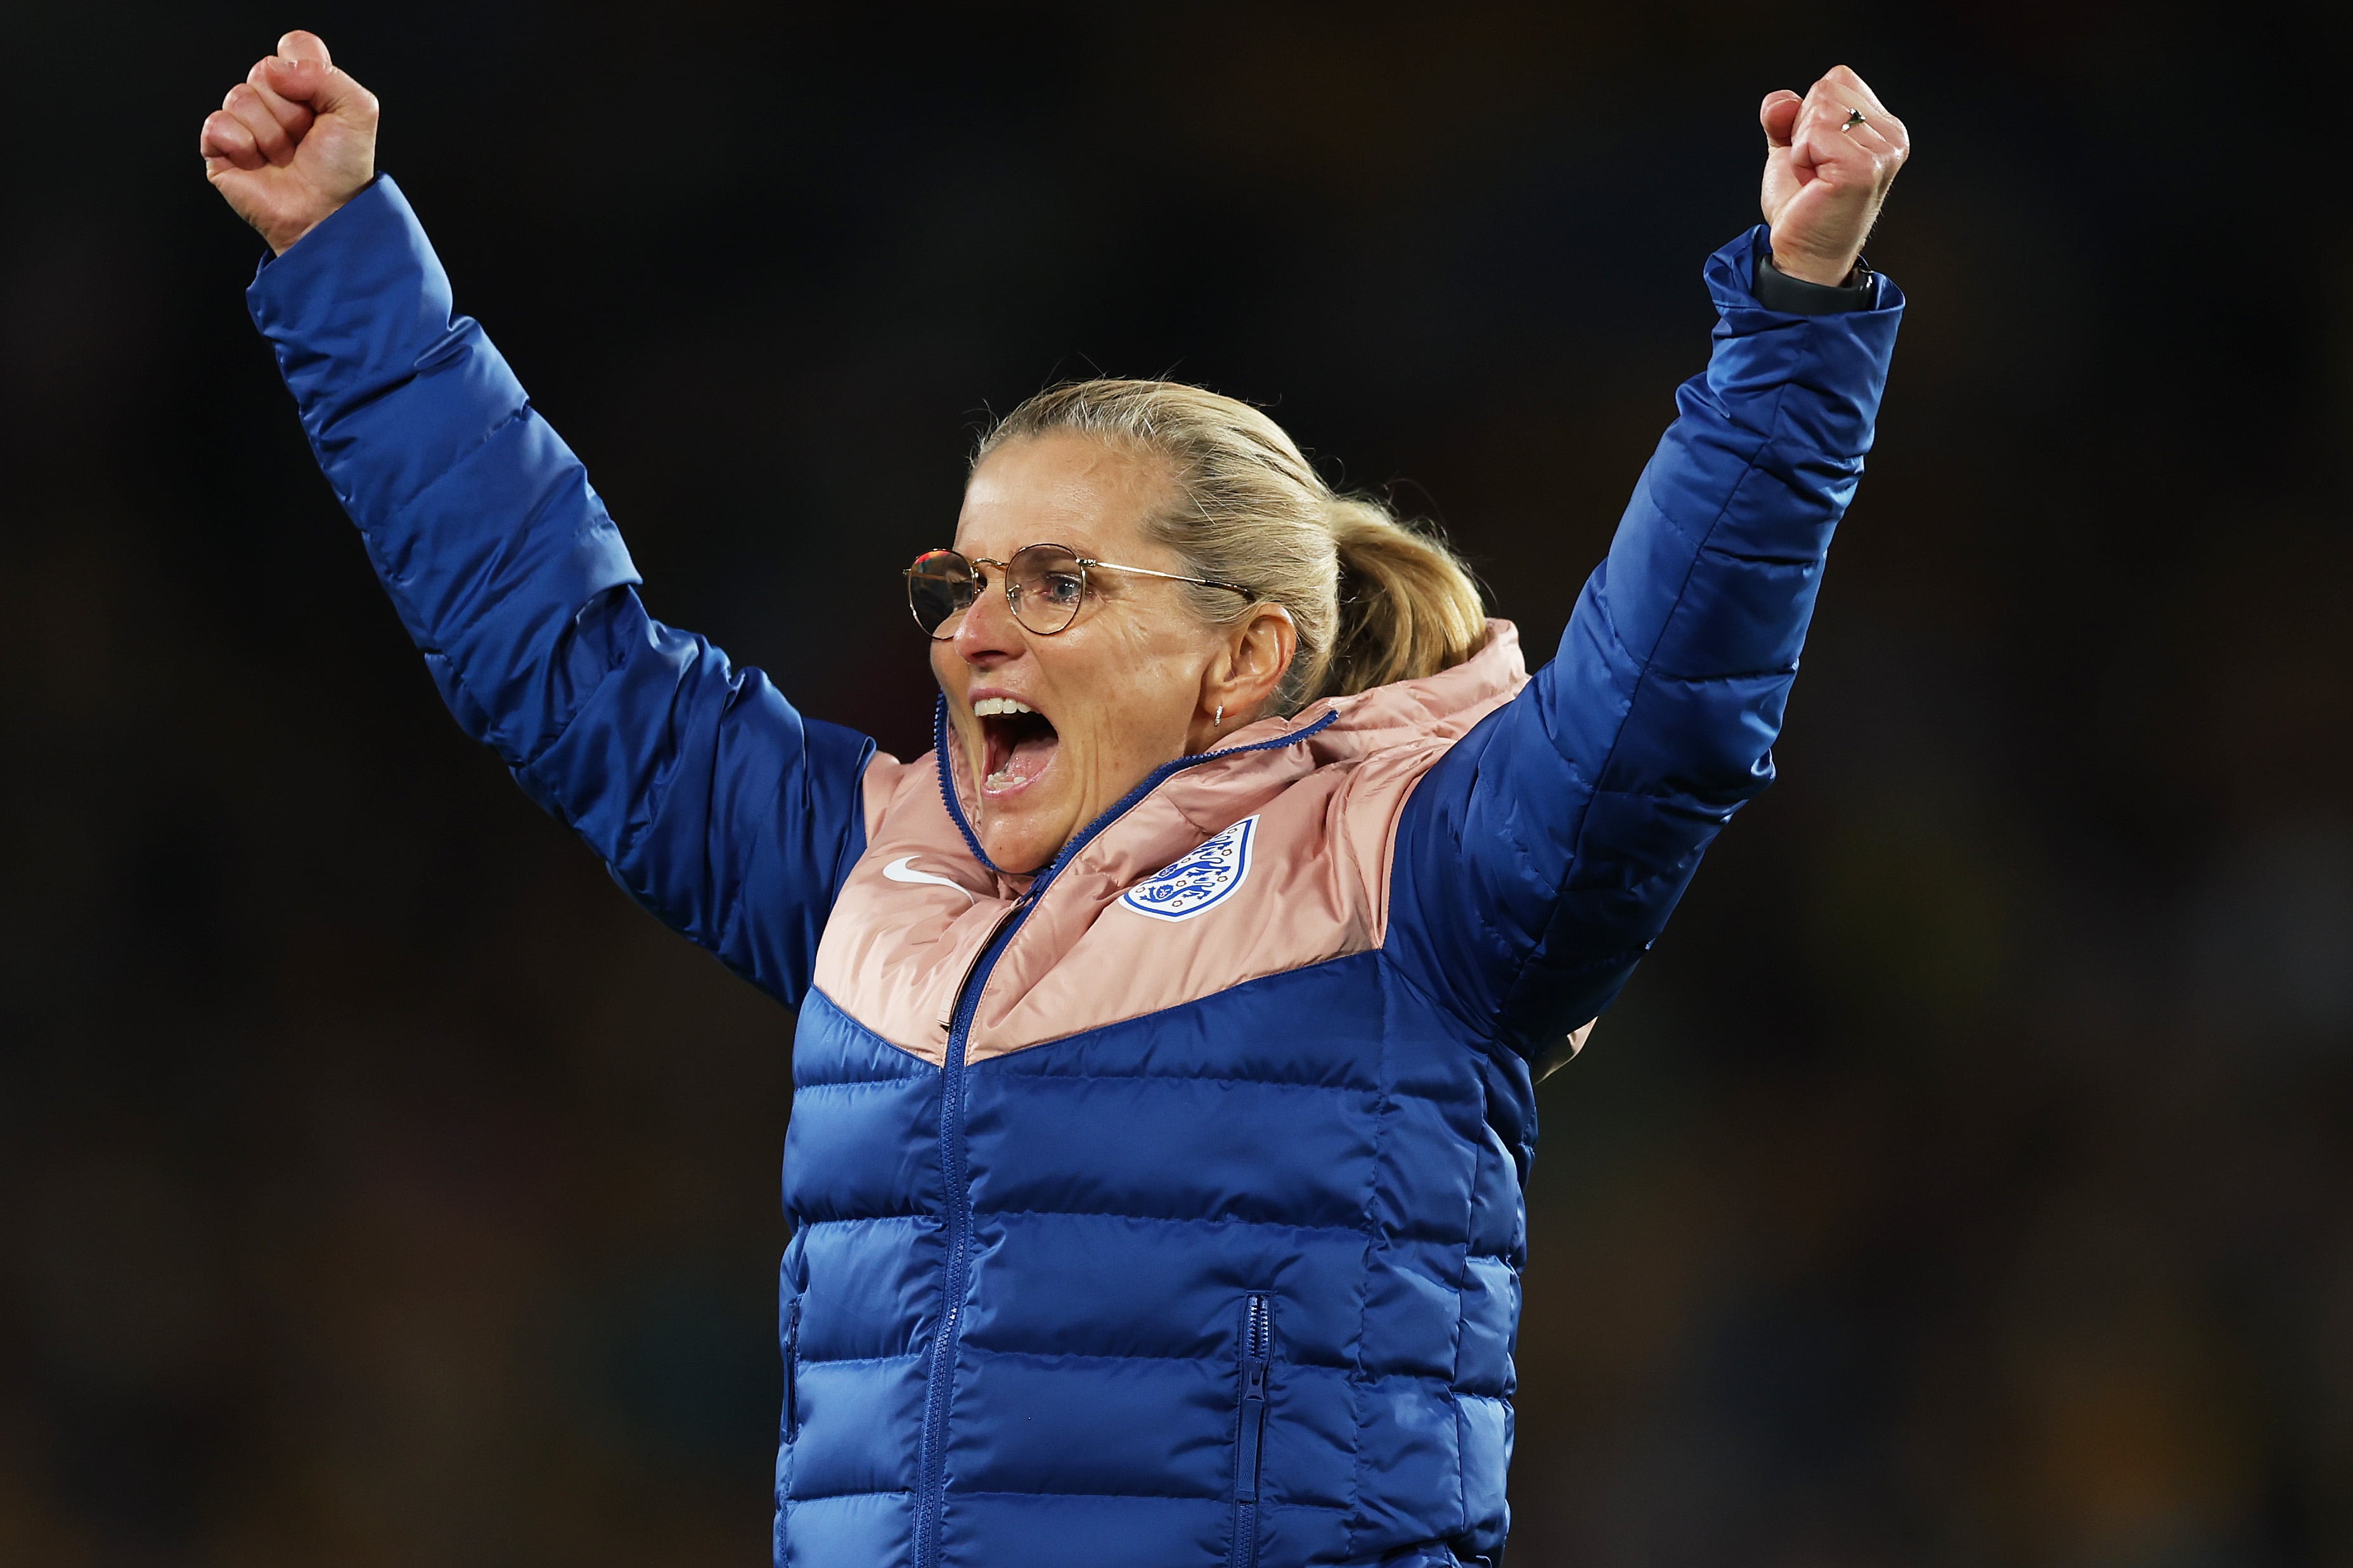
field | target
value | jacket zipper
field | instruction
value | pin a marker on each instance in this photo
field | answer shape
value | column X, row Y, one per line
column 793, row 1371
column 931, row 1479
column 1258, row 1350
column 940, row 1375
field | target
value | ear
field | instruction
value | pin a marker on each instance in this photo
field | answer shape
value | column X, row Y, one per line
column 1242, row 678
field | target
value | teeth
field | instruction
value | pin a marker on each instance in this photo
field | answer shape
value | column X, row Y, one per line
column 993, row 707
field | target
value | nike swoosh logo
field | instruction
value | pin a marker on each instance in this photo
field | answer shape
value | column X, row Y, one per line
column 899, row 871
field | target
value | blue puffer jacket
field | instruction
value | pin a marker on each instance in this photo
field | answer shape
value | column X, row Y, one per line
column 1162, row 1207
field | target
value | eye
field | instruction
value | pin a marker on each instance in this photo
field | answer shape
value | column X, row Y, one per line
column 1061, row 589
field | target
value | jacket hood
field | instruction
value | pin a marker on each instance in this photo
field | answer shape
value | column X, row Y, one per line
column 1403, row 711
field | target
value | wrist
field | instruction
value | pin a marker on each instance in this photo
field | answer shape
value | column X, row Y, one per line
column 1823, row 272
column 282, row 238
column 282, row 234
column 1776, row 291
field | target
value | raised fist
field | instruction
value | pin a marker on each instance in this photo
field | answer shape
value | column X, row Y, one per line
column 293, row 141
column 1830, row 157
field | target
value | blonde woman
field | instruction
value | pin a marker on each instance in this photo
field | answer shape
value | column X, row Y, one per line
column 1167, row 1036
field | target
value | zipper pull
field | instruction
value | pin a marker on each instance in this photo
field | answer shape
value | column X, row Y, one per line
column 1012, row 911
column 1258, row 1345
column 1254, row 1351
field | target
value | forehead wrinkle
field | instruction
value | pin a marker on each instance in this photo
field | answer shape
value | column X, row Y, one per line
column 1094, row 496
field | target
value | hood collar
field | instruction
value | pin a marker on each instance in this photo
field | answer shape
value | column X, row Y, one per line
column 1404, row 710
column 1333, row 730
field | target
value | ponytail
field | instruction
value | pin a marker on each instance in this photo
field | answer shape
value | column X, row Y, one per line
column 1407, row 606
column 1374, row 600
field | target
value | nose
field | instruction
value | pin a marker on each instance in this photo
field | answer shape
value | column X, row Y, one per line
column 986, row 635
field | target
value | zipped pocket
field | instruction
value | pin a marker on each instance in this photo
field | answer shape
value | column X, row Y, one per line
column 1258, row 1351
column 792, row 1369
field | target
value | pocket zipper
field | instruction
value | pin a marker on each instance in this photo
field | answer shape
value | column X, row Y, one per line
column 791, row 1370
column 1258, row 1350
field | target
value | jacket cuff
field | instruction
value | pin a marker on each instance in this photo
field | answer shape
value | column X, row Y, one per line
column 1838, row 361
column 363, row 211
column 363, row 287
column 1776, row 291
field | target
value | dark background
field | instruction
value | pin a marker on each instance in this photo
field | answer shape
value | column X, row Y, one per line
column 1964, row 1181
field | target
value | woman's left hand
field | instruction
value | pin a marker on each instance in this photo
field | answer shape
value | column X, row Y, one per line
column 1827, row 173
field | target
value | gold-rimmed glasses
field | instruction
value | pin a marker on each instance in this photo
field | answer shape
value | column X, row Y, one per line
column 1045, row 584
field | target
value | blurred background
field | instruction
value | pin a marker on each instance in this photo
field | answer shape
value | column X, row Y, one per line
column 1964, row 1181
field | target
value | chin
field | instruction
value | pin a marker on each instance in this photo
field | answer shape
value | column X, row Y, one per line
column 1019, row 847
column 1022, row 830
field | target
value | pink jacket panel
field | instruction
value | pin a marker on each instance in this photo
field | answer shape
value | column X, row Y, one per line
column 1305, row 880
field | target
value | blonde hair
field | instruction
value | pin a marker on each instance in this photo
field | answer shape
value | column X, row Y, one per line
column 1374, row 599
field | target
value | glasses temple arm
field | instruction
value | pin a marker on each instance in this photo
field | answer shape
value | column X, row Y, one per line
column 1171, row 576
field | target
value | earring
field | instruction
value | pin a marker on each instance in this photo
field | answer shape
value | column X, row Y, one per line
column 1220, row 718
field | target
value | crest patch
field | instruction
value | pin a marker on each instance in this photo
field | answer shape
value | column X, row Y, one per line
column 1198, row 882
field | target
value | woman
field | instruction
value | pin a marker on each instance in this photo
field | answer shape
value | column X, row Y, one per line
column 1167, row 1042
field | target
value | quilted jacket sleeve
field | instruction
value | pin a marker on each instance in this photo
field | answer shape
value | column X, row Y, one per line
column 1541, row 856
column 713, row 803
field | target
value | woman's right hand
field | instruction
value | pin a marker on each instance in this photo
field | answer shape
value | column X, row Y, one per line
column 293, row 141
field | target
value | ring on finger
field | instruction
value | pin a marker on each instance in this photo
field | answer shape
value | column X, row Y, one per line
column 1855, row 117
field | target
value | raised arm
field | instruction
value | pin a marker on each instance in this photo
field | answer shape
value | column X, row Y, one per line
column 714, row 801
column 1541, row 858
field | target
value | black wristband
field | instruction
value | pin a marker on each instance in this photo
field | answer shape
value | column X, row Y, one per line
column 1776, row 291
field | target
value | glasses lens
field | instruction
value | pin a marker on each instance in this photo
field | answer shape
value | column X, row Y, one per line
column 1048, row 584
column 940, row 587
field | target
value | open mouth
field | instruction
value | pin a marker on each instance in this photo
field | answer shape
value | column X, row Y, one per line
column 1017, row 743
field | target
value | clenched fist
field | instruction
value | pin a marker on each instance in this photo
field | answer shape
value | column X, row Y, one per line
column 293, row 141
column 1830, row 157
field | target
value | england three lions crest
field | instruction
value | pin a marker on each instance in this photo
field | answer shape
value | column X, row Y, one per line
column 1200, row 880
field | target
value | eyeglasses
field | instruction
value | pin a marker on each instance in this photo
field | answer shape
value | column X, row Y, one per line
column 1045, row 584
